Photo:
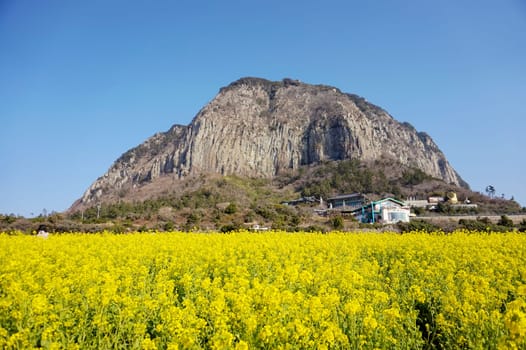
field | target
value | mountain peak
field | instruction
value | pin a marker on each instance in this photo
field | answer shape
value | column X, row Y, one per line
column 256, row 127
column 253, row 81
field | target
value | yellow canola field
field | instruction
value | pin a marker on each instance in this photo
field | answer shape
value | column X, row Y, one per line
column 272, row 290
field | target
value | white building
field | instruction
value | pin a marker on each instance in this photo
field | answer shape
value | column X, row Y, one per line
column 385, row 211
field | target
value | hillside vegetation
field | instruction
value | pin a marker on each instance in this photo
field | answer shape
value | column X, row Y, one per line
column 225, row 203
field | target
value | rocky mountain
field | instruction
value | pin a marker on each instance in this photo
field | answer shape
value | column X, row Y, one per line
column 259, row 128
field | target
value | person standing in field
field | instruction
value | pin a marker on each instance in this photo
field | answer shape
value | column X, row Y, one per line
column 42, row 232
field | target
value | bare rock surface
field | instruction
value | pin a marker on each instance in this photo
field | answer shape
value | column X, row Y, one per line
column 257, row 128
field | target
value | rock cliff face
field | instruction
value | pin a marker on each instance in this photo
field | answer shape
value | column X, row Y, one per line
column 255, row 127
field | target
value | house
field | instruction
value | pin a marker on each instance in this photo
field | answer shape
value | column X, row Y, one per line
column 346, row 201
column 302, row 200
column 386, row 211
column 434, row 201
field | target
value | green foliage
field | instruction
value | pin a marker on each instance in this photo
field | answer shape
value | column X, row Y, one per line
column 265, row 212
column 192, row 221
column 443, row 208
column 505, row 221
column 295, row 220
column 475, row 225
column 230, row 227
column 347, row 176
column 169, row 226
column 414, row 176
column 484, row 224
column 417, row 225
column 314, row 228
column 426, row 322
column 7, row 219
column 253, row 200
column 118, row 229
column 419, row 210
column 446, row 208
column 55, row 217
column 336, row 222
column 231, row 208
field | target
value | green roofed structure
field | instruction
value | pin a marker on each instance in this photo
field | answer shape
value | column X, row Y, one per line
column 386, row 211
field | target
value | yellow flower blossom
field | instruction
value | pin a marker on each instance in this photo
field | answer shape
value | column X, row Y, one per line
column 273, row 290
column 370, row 322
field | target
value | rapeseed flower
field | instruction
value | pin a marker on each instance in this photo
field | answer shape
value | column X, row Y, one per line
column 274, row 290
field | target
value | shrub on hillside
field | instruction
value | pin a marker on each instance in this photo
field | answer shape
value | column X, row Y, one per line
column 229, row 227
column 231, row 208
column 505, row 221
column 418, row 225
column 336, row 222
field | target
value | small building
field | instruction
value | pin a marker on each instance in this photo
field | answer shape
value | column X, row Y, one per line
column 385, row 211
column 346, row 201
column 302, row 200
column 435, row 199
column 417, row 203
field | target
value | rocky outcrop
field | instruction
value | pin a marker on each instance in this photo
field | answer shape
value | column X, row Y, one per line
column 257, row 128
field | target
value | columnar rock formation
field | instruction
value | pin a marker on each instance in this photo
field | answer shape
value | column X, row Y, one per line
column 257, row 128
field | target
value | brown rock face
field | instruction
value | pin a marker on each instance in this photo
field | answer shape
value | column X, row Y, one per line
column 255, row 127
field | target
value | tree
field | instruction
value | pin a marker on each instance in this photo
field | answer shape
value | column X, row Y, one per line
column 490, row 190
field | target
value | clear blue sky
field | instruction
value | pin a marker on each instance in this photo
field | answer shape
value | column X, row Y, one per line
column 81, row 82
